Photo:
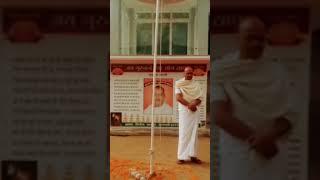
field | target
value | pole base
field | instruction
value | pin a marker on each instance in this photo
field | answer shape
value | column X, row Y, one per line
column 151, row 175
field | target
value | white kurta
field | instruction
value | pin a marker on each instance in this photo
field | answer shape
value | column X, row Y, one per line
column 164, row 109
column 257, row 96
column 188, row 132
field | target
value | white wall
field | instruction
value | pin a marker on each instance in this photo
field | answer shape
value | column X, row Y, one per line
column 114, row 27
column 202, row 27
column 121, row 30
column 125, row 30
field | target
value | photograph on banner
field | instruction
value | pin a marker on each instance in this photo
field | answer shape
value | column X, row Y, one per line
column 19, row 170
column 163, row 96
column 116, row 119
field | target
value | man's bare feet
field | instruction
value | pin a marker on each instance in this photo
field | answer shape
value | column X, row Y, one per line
column 196, row 160
column 180, row 161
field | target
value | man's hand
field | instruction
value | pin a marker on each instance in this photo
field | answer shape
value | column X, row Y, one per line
column 192, row 107
column 264, row 144
column 281, row 127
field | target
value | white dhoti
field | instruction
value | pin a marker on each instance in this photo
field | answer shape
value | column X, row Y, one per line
column 188, row 120
column 188, row 133
column 238, row 162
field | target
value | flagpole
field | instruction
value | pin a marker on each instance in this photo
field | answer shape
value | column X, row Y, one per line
column 153, row 87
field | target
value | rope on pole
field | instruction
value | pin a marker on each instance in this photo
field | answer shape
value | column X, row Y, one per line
column 153, row 88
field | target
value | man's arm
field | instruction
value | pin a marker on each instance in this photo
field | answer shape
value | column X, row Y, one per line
column 196, row 102
column 281, row 126
column 190, row 106
column 223, row 118
column 181, row 100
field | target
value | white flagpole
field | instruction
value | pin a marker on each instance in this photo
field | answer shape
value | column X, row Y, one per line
column 153, row 87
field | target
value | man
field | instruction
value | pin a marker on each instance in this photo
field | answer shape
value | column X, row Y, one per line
column 188, row 95
column 251, row 108
column 160, row 104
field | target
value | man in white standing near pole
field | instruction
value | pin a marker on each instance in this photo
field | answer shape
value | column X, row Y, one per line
column 189, row 95
column 252, row 109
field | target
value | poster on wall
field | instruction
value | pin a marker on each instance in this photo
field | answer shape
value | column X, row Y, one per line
column 163, row 96
column 288, row 43
column 131, row 90
column 54, row 105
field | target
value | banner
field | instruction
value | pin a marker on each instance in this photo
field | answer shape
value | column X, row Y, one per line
column 54, row 101
column 131, row 89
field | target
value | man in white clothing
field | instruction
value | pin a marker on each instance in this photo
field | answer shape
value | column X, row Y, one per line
column 188, row 94
column 160, row 104
column 251, row 108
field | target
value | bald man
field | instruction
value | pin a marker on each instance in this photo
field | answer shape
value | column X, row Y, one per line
column 251, row 109
column 160, row 105
column 189, row 95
